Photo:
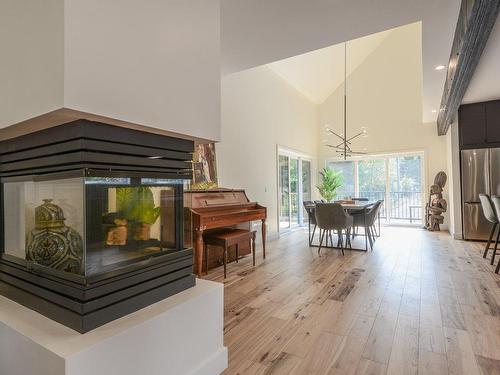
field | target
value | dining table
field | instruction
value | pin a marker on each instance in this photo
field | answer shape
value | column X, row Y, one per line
column 352, row 207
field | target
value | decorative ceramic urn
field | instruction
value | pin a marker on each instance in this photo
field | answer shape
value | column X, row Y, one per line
column 52, row 243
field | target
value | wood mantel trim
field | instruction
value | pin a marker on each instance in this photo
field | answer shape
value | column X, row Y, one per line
column 65, row 115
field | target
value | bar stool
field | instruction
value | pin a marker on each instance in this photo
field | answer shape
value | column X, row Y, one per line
column 491, row 215
column 496, row 204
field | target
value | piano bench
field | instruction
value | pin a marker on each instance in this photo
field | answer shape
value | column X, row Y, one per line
column 225, row 239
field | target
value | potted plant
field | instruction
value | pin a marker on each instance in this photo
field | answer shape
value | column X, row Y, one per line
column 137, row 206
column 331, row 180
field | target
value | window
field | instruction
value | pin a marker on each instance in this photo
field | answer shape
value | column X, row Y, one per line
column 346, row 168
column 396, row 179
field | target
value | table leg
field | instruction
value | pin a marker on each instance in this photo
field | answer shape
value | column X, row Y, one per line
column 378, row 219
column 366, row 230
column 309, row 228
column 264, row 238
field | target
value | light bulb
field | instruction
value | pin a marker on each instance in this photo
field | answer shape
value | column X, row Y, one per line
column 364, row 131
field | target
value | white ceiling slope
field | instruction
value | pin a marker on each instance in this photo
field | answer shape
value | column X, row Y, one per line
column 485, row 84
column 258, row 32
column 318, row 73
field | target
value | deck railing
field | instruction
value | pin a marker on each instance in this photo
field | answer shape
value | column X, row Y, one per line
column 404, row 205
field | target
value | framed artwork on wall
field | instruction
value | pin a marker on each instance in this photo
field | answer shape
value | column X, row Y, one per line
column 204, row 166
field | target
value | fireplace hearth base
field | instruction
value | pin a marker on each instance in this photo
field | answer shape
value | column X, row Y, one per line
column 100, row 304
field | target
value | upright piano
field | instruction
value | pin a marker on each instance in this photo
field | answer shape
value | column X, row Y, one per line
column 221, row 208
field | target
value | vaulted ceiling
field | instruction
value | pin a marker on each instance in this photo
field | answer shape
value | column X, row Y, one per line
column 319, row 73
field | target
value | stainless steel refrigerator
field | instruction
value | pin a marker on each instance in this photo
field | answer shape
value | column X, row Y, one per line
column 480, row 174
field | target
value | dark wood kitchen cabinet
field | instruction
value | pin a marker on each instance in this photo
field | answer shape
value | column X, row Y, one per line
column 479, row 124
column 472, row 125
column 492, row 110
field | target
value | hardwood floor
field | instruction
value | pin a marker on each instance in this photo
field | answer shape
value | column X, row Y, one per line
column 419, row 303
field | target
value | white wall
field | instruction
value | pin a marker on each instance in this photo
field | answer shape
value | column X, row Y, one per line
column 259, row 112
column 31, row 58
column 455, row 198
column 385, row 95
column 151, row 62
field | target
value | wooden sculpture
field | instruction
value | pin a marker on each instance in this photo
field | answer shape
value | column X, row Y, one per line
column 437, row 205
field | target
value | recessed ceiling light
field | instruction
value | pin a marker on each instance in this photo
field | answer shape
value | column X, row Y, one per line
column 440, row 67
column 433, row 111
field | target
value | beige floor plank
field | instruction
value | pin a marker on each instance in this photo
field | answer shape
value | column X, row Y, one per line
column 430, row 314
column 404, row 353
column 270, row 350
column 431, row 339
column 379, row 343
column 430, row 363
column 321, row 355
column 283, row 364
column 451, row 316
column 459, row 353
column 484, row 334
column 369, row 367
column 351, row 349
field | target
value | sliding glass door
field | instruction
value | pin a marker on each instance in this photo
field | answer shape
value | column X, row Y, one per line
column 284, row 191
column 396, row 179
column 405, row 184
column 294, row 180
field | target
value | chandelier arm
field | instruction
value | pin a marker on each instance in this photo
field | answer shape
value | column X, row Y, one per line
column 331, row 131
column 336, row 147
column 354, row 136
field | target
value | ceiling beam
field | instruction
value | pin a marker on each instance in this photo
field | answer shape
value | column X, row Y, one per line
column 475, row 21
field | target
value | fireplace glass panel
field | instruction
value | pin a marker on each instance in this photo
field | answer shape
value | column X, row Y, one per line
column 91, row 226
column 131, row 220
column 46, row 215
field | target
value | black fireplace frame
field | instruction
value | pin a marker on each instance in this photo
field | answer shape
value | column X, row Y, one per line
column 91, row 148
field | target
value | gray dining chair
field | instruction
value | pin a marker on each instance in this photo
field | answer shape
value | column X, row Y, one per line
column 332, row 217
column 367, row 220
column 496, row 204
column 491, row 215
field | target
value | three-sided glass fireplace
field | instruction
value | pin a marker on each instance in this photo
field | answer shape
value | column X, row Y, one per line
column 94, row 223
column 83, row 227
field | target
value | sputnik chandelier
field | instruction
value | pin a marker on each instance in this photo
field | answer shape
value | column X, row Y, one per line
column 343, row 148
